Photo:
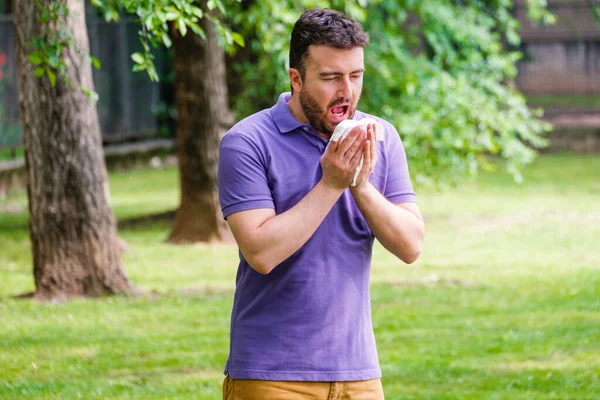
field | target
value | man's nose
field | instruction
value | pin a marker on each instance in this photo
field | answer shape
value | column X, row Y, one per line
column 345, row 88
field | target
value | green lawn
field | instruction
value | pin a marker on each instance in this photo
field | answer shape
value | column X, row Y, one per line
column 503, row 304
column 9, row 154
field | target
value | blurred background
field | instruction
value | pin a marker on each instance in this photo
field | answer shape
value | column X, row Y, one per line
column 558, row 71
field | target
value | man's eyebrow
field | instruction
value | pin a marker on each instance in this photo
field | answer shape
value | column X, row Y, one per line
column 339, row 73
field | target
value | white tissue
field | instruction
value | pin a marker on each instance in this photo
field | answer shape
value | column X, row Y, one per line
column 346, row 126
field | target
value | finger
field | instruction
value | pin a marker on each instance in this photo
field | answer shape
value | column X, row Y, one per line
column 367, row 167
column 356, row 145
column 349, row 139
column 373, row 147
column 332, row 147
column 356, row 157
column 370, row 133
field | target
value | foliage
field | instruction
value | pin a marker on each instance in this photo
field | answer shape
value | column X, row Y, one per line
column 47, row 54
column 595, row 7
column 155, row 16
column 503, row 304
column 440, row 71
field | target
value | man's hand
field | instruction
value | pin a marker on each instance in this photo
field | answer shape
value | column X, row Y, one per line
column 370, row 160
column 342, row 157
column 399, row 227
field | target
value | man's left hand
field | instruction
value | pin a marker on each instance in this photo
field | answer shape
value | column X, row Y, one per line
column 369, row 162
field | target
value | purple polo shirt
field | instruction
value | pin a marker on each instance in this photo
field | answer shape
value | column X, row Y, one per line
column 310, row 318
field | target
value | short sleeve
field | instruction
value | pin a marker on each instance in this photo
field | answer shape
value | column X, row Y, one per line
column 242, row 175
column 398, row 187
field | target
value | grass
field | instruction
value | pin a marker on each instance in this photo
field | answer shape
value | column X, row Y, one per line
column 9, row 154
column 504, row 302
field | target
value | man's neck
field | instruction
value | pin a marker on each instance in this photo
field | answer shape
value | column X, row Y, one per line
column 296, row 108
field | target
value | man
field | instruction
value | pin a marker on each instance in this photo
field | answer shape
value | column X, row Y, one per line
column 301, row 320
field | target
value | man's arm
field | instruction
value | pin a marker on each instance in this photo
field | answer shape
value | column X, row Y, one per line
column 399, row 227
column 266, row 239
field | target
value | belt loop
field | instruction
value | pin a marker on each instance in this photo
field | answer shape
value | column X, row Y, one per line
column 335, row 391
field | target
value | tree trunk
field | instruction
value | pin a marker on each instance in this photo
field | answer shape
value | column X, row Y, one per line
column 73, row 233
column 203, row 117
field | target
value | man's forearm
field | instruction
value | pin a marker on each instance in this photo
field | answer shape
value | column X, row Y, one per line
column 282, row 235
column 399, row 231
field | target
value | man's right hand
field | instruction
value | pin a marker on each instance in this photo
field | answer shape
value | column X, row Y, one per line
column 266, row 239
column 341, row 158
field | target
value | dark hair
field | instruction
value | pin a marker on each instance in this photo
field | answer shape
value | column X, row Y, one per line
column 321, row 26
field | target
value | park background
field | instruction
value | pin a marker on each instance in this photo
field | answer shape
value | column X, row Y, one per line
column 503, row 302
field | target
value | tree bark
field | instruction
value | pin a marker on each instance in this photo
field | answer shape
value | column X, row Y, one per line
column 203, row 117
column 72, row 229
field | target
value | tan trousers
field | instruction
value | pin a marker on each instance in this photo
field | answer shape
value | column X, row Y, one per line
column 245, row 389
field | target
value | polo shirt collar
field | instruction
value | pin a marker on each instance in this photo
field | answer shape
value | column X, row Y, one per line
column 282, row 115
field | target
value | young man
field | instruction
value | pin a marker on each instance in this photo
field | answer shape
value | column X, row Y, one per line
column 301, row 321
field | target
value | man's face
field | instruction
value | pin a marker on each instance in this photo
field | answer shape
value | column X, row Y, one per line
column 331, row 87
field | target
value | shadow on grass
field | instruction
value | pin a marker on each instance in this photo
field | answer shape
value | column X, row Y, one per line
column 200, row 292
column 209, row 292
column 165, row 217
column 14, row 223
column 18, row 222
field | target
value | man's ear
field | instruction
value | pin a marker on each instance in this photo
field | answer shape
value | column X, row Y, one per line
column 295, row 79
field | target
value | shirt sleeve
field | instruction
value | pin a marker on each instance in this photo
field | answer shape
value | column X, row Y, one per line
column 242, row 175
column 398, row 188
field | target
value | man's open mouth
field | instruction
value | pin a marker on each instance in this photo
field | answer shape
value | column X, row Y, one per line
column 339, row 111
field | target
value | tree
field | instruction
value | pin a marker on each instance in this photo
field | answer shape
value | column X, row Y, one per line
column 73, row 234
column 440, row 71
column 203, row 117
column 203, row 113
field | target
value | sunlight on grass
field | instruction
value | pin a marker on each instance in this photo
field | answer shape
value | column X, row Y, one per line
column 504, row 302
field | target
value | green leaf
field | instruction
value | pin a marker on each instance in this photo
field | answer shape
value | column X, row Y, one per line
column 197, row 12
column 182, row 26
column 228, row 36
column 39, row 72
column 166, row 40
column 53, row 61
column 149, row 22
column 238, row 39
column 138, row 58
column 95, row 62
column 51, row 76
column 91, row 94
column 111, row 15
column 171, row 16
column 35, row 58
column 152, row 73
column 220, row 5
column 197, row 30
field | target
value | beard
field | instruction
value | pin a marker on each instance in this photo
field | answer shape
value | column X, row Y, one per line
column 315, row 115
